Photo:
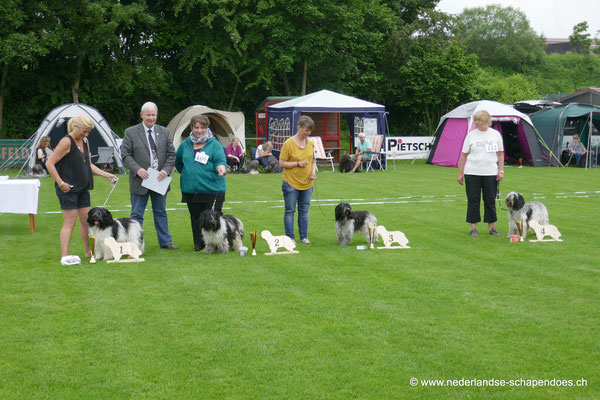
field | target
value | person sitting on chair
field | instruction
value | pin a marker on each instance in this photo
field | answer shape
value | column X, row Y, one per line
column 261, row 155
column 272, row 162
column 235, row 155
column 43, row 152
column 363, row 152
column 577, row 149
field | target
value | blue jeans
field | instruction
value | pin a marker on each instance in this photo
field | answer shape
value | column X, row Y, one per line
column 159, row 205
column 292, row 197
column 263, row 161
column 579, row 156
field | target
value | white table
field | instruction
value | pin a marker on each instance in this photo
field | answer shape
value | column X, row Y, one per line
column 20, row 196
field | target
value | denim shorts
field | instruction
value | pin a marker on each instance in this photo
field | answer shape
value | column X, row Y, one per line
column 73, row 200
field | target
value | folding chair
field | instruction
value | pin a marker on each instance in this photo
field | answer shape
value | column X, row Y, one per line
column 105, row 155
column 390, row 155
column 320, row 153
column 378, row 156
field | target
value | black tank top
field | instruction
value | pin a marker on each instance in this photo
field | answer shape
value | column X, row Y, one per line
column 44, row 156
column 75, row 168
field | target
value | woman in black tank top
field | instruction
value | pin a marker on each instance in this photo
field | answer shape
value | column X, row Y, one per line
column 70, row 165
column 42, row 151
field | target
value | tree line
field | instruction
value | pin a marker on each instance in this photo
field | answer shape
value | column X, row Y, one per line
column 420, row 63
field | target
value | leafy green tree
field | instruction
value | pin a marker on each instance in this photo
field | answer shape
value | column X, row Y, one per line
column 496, row 85
column 89, row 29
column 565, row 73
column 596, row 49
column 431, row 82
column 580, row 39
column 323, row 38
column 277, row 45
column 501, row 37
column 419, row 85
column 409, row 11
column 25, row 36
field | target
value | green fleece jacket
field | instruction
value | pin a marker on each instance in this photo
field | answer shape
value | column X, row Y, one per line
column 197, row 177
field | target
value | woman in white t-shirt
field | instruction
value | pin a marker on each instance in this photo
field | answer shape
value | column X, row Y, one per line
column 261, row 155
column 482, row 164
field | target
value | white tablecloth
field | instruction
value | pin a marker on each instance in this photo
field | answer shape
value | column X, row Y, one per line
column 19, row 196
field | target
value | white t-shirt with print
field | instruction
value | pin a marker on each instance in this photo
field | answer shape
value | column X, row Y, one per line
column 482, row 148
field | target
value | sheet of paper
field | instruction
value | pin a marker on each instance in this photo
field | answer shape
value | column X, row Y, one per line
column 153, row 184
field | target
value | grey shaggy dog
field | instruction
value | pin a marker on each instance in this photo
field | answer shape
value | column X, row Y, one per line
column 253, row 167
column 347, row 222
column 221, row 232
column 518, row 210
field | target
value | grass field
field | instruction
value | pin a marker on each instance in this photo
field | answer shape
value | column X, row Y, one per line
column 328, row 323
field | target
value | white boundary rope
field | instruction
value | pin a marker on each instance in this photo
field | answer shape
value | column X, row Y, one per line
column 450, row 198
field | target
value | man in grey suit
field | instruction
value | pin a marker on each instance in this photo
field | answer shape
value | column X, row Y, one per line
column 149, row 145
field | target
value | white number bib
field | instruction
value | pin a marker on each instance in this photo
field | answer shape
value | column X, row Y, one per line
column 201, row 157
column 491, row 147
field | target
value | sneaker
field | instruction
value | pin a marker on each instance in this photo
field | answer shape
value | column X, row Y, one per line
column 70, row 260
column 474, row 232
column 494, row 232
column 305, row 241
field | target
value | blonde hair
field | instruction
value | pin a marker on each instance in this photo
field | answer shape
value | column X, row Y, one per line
column 267, row 147
column 80, row 122
column 43, row 141
column 484, row 117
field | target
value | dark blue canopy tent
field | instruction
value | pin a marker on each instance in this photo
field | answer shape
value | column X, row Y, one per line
column 362, row 116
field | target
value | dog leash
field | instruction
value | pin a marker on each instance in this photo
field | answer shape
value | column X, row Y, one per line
column 114, row 185
column 319, row 203
column 498, row 196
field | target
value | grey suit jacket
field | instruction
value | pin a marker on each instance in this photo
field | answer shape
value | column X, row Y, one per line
column 136, row 154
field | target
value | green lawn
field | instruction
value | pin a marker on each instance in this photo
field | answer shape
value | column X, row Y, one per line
column 328, row 323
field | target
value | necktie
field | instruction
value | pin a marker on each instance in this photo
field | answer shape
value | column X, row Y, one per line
column 151, row 140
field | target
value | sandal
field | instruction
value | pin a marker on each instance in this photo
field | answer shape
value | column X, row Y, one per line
column 70, row 260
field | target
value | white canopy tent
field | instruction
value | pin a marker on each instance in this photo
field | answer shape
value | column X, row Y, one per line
column 361, row 115
column 326, row 100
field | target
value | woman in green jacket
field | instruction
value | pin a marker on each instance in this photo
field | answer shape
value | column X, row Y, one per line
column 201, row 161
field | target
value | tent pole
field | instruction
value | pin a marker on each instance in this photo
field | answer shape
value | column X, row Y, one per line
column 561, row 129
column 588, row 154
column 543, row 142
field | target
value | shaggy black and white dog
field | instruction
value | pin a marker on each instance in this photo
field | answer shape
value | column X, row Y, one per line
column 347, row 222
column 221, row 232
column 102, row 225
column 518, row 210
column 346, row 163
